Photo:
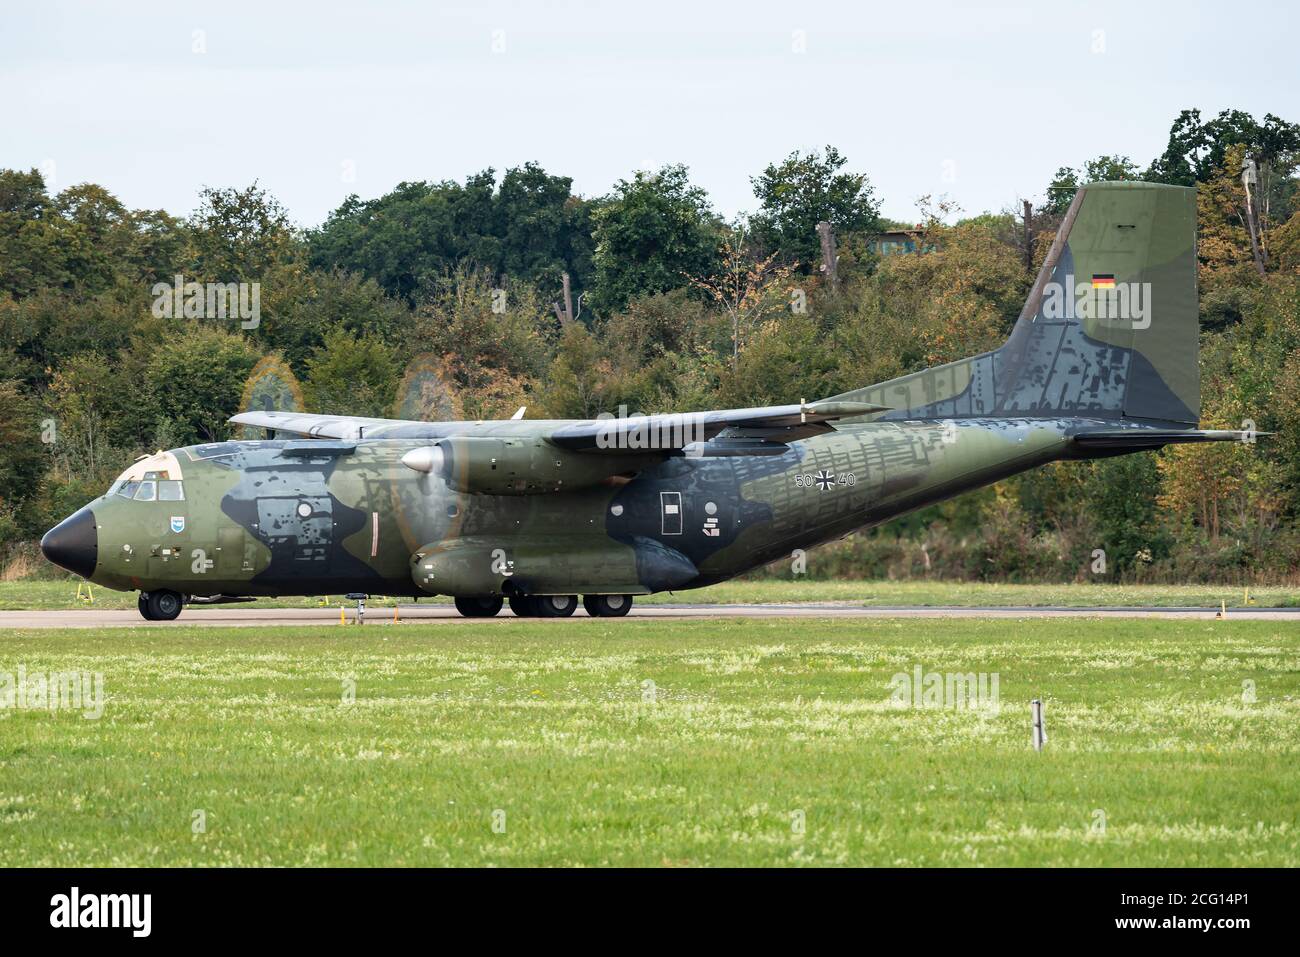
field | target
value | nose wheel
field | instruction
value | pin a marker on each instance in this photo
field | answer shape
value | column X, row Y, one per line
column 161, row 605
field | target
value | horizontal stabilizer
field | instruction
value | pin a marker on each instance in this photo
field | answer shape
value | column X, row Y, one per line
column 1137, row 439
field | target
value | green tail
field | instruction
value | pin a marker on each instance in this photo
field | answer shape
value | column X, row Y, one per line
column 1109, row 331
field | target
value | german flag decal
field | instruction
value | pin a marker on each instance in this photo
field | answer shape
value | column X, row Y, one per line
column 1103, row 281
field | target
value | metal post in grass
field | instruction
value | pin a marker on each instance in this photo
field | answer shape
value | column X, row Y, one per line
column 361, row 606
column 1040, row 732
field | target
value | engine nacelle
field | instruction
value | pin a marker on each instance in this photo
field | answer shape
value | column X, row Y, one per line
column 482, row 465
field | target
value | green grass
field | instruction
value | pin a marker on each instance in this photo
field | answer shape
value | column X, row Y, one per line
column 750, row 724
column 31, row 594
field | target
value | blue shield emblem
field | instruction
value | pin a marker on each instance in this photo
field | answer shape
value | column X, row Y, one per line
column 178, row 523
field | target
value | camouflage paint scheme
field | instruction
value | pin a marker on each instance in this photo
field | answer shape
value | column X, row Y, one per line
column 337, row 511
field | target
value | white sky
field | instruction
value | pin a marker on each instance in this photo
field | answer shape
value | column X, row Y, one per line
column 979, row 101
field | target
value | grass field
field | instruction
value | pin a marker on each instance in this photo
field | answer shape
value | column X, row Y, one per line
column 589, row 742
column 33, row 594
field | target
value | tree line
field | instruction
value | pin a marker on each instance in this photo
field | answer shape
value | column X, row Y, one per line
column 444, row 299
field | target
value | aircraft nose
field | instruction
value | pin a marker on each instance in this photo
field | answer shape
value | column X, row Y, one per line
column 73, row 543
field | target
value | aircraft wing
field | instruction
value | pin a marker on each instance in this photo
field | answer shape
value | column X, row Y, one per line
column 741, row 431
column 325, row 426
column 756, row 431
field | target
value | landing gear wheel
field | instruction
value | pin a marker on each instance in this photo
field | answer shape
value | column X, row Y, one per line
column 607, row 606
column 524, row 606
column 143, row 604
column 161, row 605
column 479, row 606
column 555, row 606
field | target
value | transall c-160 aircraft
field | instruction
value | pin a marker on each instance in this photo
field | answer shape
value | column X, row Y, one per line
column 1102, row 361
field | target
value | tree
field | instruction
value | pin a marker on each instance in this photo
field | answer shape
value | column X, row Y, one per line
column 665, row 354
column 575, row 382
column 53, row 324
column 299, row 306
column 495, row 339
column 350, row 375
column 1103, row 169
column 750, row 291
column 532, row 228
column 651, row 235
column 785, row 361
column 957, row 299
column 410, row 236
column 1197, row 149
column 194, row 381
column 1223, row 237
column 801, row 191
column 23, row 456
column 544, row 230
column 656, row 325
column 34, row 246
column 88, row 408
column 238, row 235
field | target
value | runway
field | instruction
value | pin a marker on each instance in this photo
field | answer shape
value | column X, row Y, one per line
column 236, row 617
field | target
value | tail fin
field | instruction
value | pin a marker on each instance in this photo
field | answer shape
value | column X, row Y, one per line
column 1109, row 331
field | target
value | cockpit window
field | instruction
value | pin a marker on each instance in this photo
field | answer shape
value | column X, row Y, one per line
column 151, row 490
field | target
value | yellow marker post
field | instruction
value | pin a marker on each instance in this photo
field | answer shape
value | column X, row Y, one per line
column 1223, row 610
column 343, row 619
column 396, row 620
column 89, row 596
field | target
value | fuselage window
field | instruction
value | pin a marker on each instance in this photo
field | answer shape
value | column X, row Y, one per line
column 170, row 490
column 128, row 489
column 147, row 492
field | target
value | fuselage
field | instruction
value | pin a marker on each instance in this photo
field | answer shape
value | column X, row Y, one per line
column 309, row 517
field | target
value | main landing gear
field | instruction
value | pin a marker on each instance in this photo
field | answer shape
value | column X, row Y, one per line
column 543, row 606
column 160, row 605
column 546, row 606
column 479, row 606
column 607, row 606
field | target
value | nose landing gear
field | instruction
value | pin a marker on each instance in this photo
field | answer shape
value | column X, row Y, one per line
column 160, row 605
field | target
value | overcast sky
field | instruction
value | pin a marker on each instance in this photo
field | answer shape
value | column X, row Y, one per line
column 318, row 100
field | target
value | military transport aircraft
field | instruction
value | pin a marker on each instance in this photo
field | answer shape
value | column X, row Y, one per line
column 1102, row 361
